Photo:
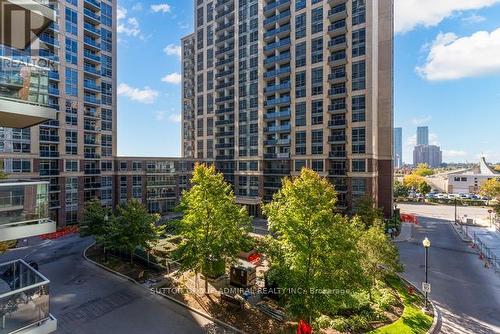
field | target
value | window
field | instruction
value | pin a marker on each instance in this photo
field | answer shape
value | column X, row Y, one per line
column 300, row 26
column 106, row 40
column 300, row 4
column 106, row 66
column 299, row 164
column 317, row 165
column 317, row 142
column 71, row 82
column 71, row 166
column 358, row 12
column 300, row 143
column 359, row 43
column 358, row 75
column 317, row 20
column 358, row 140
column 359, row 166
column 317, row 112
column 317, row 81
column 71, row 51
column 106, row 93
column 300, row 54
column 106, row 14
column 300, row 114
column 106, row 119
column 71, row 21
column 71, row 112
column 358, row 108
column 317, row 50
column 300, row 84
column 358, row 186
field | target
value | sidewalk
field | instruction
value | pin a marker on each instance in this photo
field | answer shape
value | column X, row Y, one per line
column 487, row 241
column 406, row 232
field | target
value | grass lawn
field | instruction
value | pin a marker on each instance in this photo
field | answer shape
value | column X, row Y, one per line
column 413, row 320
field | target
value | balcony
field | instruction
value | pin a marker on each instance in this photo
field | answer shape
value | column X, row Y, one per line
column 23, row 103
column 337, row 28
column 277, row 101
column 49, row 138
column 24, row 210
column 91, row 100
column 278, row 128
column 337, row 124
column 24, row 295
column 339, row 139
column 14, row 14
column 277, row 88
column 91, row 56
column 279, row 4
column 279, row 18
column 92, row 4
column 279, row 45
column 91, row 15
column 338, row 12
column 281, row 31
column 337, row 155
column 277, row 115
column 91, row 70
column 49, row 154
column 87, row 84
column 92, row 29
column 335, row 93
column 279, row 59
column 92, row 43
column 282, row 71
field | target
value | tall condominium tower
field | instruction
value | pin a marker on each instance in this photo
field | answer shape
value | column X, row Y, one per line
column 398, row 147
column 273, row 86
column 74, row 151
column 423, row 135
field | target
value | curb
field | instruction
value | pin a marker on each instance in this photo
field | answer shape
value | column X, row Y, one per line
column 436, row 322
column 460, row 236
column 203, row 314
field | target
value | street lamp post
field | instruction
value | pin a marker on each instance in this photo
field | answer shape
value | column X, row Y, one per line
column 427, row 244
column 455, row 210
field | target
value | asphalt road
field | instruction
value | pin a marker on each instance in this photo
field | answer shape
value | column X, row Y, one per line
column 86, row 299
column 466, row 293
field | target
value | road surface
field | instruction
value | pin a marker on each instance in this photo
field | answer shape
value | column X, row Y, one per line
column 86, row 299
column 466, row 293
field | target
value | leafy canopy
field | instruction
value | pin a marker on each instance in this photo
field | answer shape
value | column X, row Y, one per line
column 213, row 226
column 423, row 170
column 314, row 249
column 491, row 188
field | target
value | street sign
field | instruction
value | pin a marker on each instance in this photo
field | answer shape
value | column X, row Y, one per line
column 426, row 287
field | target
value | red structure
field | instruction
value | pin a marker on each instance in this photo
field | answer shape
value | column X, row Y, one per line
column 304, row 328
column 407, row 218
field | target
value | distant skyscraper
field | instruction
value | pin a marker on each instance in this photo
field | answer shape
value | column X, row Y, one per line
column 428, row 154
column 423, row 135
column 398, row 147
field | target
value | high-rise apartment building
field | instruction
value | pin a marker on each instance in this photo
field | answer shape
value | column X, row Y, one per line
column 398, row 147
column 423, row 135
column 279, row 85
column 427, row 154
column 74, row 151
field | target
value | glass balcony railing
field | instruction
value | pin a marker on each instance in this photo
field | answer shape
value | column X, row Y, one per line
column 24, row 299
column 23, row 82
column 24, row 209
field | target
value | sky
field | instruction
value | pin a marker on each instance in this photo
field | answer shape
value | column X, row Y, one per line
column 446, row 76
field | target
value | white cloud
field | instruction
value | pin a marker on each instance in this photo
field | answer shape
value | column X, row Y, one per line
column 172, row 78
column 162, row 115
column 145, row 95
column 173, row 50
column 175, row 118
column 451, row 57
column 429, row 13
column 128, row 26
column 137, row 6
column 474, row 18
column 453, row 154
column 162, row 7
column 421, row 121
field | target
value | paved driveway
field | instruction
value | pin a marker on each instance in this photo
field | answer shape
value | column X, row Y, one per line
column 467, row 294
column 86, row 299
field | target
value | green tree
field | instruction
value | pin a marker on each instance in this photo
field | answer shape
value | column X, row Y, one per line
column 314, row 248
column 133, row 227
column 400, row 190
column 491, row 188
column 423, row 170
column 95, row 220
column 424, row 188
column 413, row 181
column 367, row 212
column 380, row 256
column 213, row 226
